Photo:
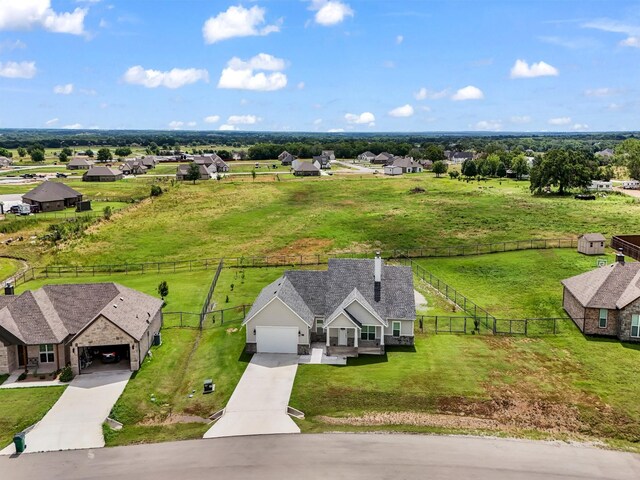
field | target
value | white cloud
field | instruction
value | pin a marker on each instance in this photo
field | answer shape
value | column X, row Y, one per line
column 237, row 21
column 212, row 119
column 63, row 89
column 330, row 12
column 73, row 126
column 580, row 127
column 317, row 121
column 192, row 124
column 335, row 130
column 174, row 78
column 521, row 69
column 28, row 14
column 365, row 117
column 424, row 94
column 399, row 39
column 300, row 85
column 560, row 121
column 88, row 91
column 631, row 42
column 176, row 125
column 468, row 93
column 403, row 111
column 18, row 69
column 226, row 127
column 8, row 45
column 520, row 119
column 240, row 74
column 601, row 92
column 243, row 120
column 492, row 125
column 53, row 121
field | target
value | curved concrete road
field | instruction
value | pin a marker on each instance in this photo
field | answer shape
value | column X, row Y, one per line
column 353, row 457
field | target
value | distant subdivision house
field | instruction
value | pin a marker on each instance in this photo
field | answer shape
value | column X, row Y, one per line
column 354, row 307
column 323, row 161
column 79, row 163
column 52, row 196
column 606, row 301
column 408, row 165
column 305, row 169
column 383, row 158
column 283, row 155
column 287, row 160
column 366, row 156
column 392, row 170
column 133, row 167
column 214, row 161
column 206, row 173
column 102, row 174
column 330, row 154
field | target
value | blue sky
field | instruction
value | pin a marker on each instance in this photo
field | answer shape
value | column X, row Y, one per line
column 320, row 65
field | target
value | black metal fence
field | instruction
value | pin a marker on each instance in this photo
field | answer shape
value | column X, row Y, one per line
column 205, row 320
column 439, row 324
column 207, row 301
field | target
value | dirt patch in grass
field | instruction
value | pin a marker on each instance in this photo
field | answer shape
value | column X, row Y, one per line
column 174, row 418
column 414, row 419
column 306, row 246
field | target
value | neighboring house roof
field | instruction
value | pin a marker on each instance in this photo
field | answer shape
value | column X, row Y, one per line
column 6, row 161
column 322, row 159
column 53, row 313
column 462, row 155
column 612, row 286
column 305, row 167
column 593, row 237
column 184, row 170
column 100, row 171
column 327, row 293
column 79, row 162
column 607, row 152
column 405, row 162
column 287, row 159
column 383, row 156
column 367, row 154
column 283, row 154
column 50, row 192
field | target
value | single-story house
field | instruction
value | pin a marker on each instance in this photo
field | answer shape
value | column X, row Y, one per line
column 79, row 163
column 102, row 174
column 324, row 161
column 392, row 170
column 212, row 161
column 133, row 167
column 206, row 173
column 354, row 307
column 283, row 155
column 57, row 325
column 305, row 169
column 606, row 301
column 149, row 162
column 591, row 244
column 288, row 159
column 383, row 158
column 330, row 154
column 407, row 164
column 51, row 196
column 459, row 157
column 366, row 156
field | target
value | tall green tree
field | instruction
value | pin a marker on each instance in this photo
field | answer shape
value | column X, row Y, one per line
column 63, row 157
column 501, row 171
column 22, row 152
column 37, row 154
column 440, row 168
column 629, row 153
column 469, row 169
column 89, row 152
column 104, row 155
column 67, row 151
column 564, row 169
column 520, row 166
column 193, row 173
column 122, row 152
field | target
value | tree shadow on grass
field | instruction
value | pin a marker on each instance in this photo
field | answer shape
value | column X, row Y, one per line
column 366, row 360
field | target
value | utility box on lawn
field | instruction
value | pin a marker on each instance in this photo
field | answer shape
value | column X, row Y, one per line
column 157, row 340
column 208, row 386
column 19, row 442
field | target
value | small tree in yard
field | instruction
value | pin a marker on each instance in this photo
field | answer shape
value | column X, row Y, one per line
column 454, row 174
column 107, row 212
column 89, row 152
column 37, row 155
column 63, row 157
column 193, row 173
column 440, row 168
column 22, row 152
column 163, row 289
column 253, row 175
column 104, row 155
column 156, row 191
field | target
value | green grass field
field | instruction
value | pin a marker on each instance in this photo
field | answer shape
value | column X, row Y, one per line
column 22, row 407
column 333, row 214
column 8, row 267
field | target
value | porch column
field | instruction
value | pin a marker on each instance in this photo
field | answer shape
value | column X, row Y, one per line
column 381, row 336
column 328, row 335
column 355, row 337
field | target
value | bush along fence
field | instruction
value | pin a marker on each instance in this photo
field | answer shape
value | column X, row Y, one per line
column 291, row 260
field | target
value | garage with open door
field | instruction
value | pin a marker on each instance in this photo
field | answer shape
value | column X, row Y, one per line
column 277, row 339
column 104, row 358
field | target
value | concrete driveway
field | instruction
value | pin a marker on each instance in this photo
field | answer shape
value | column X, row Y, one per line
column 258, row 405
column 75, row 421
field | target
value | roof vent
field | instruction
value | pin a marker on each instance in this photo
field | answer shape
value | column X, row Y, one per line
column 121, row 299
column 115, row 306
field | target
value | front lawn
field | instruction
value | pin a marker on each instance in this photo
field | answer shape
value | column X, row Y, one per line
column 22, row 407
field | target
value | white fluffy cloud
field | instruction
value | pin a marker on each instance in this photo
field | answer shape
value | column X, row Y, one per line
column 631, row 42
column 73, row 126
column 491, row 125
column 468, row 93
column 330, row 12
column 363, row 118
column 227, row 127
column 424, row 94
column 403, row 111
column 601, row 92
column 28, row 14
column 580, row 127
column 53, row 121
column 212, row 119
column 242, row 75
column 237, row 22
column 520, row 119
column 243, row 120
column 174, row 78
column 63, row 89
column 177, row 124
column 18, row 69
column 399, row 39
column 560, row 121
column 335, row 130
column 521, row 69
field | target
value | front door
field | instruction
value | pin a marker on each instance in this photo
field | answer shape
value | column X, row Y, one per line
column 342, row 337
column 22, row 355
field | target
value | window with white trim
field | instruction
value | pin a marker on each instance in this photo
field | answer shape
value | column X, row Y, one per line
column 602, row 320
column 46, row 353
column 368, row 332
column 395, row 328
column 319, row 325
column 635, row 326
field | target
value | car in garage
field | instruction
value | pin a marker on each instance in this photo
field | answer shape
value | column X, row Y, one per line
column 110, row 356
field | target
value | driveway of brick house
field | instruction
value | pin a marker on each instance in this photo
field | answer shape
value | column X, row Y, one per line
column 75, row 421
column 258, row 405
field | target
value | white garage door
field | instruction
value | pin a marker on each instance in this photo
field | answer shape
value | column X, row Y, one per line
column 277, row 339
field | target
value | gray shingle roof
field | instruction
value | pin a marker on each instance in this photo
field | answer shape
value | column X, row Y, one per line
column 80, row 162
column 50, row 192
column 100, row 171
column 321, row 293
column 612, row 286
column 305, row 167
column 593, row 237
column 54, row 312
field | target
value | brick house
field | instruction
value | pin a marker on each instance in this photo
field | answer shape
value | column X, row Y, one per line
column 52, row 196
column 56, row 325
column 606, row 301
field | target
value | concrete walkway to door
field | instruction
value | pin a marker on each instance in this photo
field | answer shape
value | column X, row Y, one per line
column 75, row 421
column 258, row 405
